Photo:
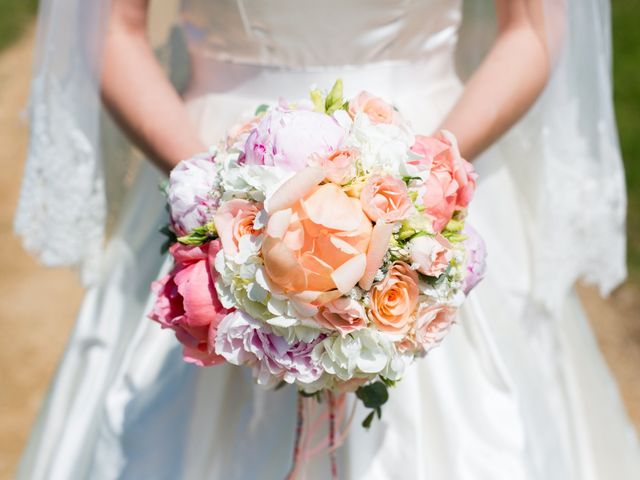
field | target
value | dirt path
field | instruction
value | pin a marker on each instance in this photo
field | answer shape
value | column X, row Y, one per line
column 38, row 305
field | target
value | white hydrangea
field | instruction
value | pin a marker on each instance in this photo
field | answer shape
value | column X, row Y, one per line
column 383, row 147
column 362, row 353
column 255, row 182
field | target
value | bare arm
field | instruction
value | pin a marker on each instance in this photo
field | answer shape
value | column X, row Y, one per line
column 507, row 82
column 137, row 92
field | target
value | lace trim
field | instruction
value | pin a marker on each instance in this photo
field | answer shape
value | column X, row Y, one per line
column 61, row 208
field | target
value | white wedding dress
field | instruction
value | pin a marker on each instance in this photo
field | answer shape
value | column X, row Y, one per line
column 510, row 394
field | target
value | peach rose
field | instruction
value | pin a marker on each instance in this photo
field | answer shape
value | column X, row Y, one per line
column 433, row 324
column 233, row 220
column 343, row 314
column 373, row 107
column 339, row 166
column 431, row 254
column 385, row 198
column 317, row 244
column 428, row 148
column 393, row 300
column 439, row 199
column 448, row 159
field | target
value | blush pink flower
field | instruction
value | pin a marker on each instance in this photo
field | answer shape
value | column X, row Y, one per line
column 439, row 199
column 235, row 219
column 339, row 166
column 449, row 160
column 385, row 198
column 373, row 107
column 428, row 148
column 318, row 244
column 432, row 325
column 431, row 254
column 188, row 304
column 393, row 300
column 288, row 138
column 343, row 314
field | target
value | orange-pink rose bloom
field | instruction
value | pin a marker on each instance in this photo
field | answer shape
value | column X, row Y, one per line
column 343, row 314
column 233, row 220
column 339, row 166
column 393, row 300
column 386, row 198
column 317, row 245
column 373, row 107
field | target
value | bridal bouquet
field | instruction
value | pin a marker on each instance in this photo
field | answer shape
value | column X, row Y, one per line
column 322, row 244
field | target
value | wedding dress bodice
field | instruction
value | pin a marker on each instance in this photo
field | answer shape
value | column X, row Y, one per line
column 313, row 33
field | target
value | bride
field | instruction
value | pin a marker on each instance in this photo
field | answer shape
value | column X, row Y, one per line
column 519, row 390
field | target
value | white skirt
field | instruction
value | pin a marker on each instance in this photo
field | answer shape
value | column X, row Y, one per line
column 510, row 394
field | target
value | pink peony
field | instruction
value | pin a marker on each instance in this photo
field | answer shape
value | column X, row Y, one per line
column 188, row 304
column 431, row 254
column 288, row 138
column 385, row 198
column 190, row 198
column 476, row 258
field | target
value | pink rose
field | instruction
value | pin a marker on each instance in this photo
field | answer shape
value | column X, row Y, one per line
column 318, row 244
column 393, row 300
column 428, row 148
column 373, row 107
column 439, row 199
column 287, row 138
column 432, row 325
column 188, row 304
column 343, row 314
column 385, row 198
column 340, row 166
column 233, row 220
column 431, row 254
column 449, row 160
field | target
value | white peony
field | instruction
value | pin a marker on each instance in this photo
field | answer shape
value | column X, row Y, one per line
column 192, row 193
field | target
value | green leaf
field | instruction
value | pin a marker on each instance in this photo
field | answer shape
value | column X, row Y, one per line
column 317, row 100
column 373, row 395
column 334, row 100
column 280, row 385
column 366, row 423
column 199, row 235
column 261, row 109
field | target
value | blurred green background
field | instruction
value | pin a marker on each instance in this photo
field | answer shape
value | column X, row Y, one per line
column 15, row 15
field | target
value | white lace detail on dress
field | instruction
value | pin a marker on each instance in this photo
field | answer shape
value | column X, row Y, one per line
column 61, row 209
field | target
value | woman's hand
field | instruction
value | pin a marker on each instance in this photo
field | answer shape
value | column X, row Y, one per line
column 508, row 81
column 137, row 92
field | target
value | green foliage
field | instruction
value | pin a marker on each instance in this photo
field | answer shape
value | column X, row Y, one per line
column 199, row 235
column 14, row 16
column 626, row 75
column 332, row 102
column 373, row 396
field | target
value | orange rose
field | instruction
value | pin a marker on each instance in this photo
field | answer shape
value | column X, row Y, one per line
column 393, row 300
column 316, row 245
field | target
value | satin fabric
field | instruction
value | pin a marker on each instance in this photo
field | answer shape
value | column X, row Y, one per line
column 510, row 394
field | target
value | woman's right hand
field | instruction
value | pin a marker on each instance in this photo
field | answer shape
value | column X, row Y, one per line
column 137, row 92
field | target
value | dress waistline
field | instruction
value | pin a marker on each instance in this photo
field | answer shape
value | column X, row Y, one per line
column 391, row 79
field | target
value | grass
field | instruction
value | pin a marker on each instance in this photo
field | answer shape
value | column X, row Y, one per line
column 14, row 16
column 626, row 71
